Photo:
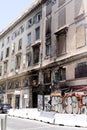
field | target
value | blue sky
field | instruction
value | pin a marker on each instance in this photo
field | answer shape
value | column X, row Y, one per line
column 10, row 10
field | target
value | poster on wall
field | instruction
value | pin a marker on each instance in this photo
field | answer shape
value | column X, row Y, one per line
column 47, row 103
column 40, row 102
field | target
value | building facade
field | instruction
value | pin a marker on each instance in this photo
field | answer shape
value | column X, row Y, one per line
column 44, row 52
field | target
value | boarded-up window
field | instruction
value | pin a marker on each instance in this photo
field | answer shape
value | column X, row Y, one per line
column 80, row 36
column 78, row 7
column 48, row 7
column 48, row 26
column 62, row 17
column 61, row 43
column 61, row 2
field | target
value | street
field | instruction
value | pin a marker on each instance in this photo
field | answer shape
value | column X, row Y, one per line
column 14, row 123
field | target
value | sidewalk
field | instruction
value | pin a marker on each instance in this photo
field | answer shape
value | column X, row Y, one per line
column 50, row 117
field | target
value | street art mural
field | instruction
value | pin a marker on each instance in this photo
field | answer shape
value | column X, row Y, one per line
column 70, row 103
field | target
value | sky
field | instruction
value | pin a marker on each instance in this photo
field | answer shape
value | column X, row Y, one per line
column 10, row 10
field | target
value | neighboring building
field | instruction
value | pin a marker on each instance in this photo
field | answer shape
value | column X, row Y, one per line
column 44, row 51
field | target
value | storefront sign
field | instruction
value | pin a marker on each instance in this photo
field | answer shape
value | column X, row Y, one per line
column 16, row 92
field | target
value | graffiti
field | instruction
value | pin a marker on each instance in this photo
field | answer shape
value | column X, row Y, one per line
column 70, row 103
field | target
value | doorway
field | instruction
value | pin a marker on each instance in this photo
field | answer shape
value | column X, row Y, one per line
column 34, row 96
column 17, row 101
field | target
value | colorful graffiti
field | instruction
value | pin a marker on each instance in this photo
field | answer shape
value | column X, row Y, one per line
column 70, row 103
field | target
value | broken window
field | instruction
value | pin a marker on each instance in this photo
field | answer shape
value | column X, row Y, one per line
column 48, row 26
column 47, row 76
column 60, row 74
column 20, row 44
column 61, row 43
column 18, row 61
column 36, row 50
column 7, row 52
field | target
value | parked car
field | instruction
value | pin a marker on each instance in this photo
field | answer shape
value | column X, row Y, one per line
column 5, row 108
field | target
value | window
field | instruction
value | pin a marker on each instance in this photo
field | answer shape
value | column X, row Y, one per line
column 47, row 76
column 37, row 17
column 36, row 50
column 18, row 61
column 48, row 47
column 60, row 74
column 29, row 23
column 7, row 52
column 14, row 35
column 13, row 48
column 0, row 70
column 48, row 7
column 8, row 39
column 61, row 43
column 29, row 39
column 20, row 44
column 21, row 29
column 81, row 70
column 28, row 59
column 37, row 32
column 1, row 55
column 2, row 43
column 48, row 26
column 62, row 17
column 5, row 67
column 48, row 50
